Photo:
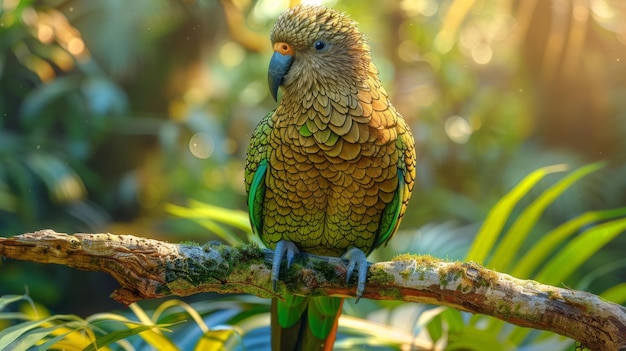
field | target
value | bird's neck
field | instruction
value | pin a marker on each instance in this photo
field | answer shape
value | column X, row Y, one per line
column 343, row 90
column 341, row 120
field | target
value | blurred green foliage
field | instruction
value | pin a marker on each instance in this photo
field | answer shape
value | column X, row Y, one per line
column 112, row 111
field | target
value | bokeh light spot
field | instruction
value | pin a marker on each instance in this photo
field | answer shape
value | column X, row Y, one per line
column 253, row 93
column 482, row 54
column 581, row 12
column 45, row 34
column 76, row 46
column 419, row 7
column 195, row 95
column 602, row 9
column 201, row 145
column 231, row 54
column 458, row 129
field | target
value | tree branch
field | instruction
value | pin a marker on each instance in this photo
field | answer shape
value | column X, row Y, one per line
column 149, row 268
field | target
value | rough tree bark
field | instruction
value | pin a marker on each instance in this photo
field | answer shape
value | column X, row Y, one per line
column 148, row 268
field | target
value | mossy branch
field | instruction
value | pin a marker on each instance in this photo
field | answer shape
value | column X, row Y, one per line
column 149, row 268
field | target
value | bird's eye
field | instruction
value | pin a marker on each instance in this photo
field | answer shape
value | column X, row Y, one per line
column 321, row 46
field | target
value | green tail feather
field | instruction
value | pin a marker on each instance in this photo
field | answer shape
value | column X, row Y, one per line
column 305, row 323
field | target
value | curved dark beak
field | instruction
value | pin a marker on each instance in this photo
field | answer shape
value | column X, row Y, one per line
column 279, row 65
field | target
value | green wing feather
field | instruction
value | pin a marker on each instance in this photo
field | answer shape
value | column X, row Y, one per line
column 256, row 196
column 390, row 219
column 393, row 212
column 256, row 171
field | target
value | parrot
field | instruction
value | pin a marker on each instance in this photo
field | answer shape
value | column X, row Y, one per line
column 331, row 170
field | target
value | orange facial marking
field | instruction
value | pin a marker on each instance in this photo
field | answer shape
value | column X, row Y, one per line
column 283, row 48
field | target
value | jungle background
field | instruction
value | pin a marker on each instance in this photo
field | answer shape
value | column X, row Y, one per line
column 128, row 116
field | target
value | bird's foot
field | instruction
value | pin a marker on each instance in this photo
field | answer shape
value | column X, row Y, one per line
column 357, row 259
column 283, row 249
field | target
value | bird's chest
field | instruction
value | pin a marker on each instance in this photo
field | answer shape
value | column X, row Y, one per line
column 303, row 174
column 303, row 166
column 318, row 199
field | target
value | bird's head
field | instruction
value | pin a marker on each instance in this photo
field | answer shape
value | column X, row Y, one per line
column 315, row 45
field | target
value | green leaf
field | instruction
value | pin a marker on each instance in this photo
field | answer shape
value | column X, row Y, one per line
column 32, row 337
column 454, row 319
column 504, row 254
column 577, row 251
column 107, row 339
column 616, row 293
column 435, row 328
column 8, row 201
column 22, row 183
column 236, row 218
column 209, row 217
column 479, row 340
column 498, row 215
column 218, row 339
column 9, row 299
column 613, row 266
column 17, row 336
column 36, row 103
column 63, row 184
column 53, row 341
column 447, row 319
column 536, row 256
